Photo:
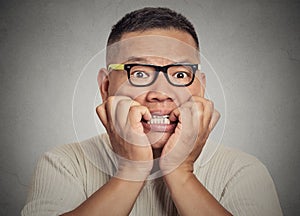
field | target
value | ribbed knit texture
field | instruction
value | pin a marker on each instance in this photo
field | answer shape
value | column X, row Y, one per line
column 66, row 176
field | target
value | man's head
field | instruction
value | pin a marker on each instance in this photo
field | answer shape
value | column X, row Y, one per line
column 151, row 18
column 160, row 37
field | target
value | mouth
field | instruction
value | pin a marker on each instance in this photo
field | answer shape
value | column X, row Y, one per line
column 159, row 123
column 157, row 119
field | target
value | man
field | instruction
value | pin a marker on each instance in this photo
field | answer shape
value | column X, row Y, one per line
column 157, row 123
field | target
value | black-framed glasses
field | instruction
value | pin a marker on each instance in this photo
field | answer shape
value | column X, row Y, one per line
column 141, row 75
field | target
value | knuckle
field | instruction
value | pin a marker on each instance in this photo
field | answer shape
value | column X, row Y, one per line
column 110, row 99
column 135, row 103
column 133, row 109
column 218, row 115
column 200, row 105
column 210, row 103
column 100, row 108
column 200, row 113
column 122, row 103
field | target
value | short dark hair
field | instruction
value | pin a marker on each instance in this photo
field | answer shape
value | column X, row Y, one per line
column 151, row 18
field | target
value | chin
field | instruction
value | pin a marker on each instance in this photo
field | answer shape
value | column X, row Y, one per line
column 158, row 139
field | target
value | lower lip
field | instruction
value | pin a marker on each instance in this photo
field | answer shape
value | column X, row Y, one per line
column 159, row 127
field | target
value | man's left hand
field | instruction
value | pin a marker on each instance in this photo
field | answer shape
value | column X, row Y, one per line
column 196, row 119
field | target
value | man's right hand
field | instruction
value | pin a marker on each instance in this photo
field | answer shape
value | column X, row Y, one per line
column 121, row 116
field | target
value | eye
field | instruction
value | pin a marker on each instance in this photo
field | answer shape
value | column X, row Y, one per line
column 139, row 74
column 180, row 75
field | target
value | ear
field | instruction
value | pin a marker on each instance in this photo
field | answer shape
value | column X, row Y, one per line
column 203, row 84
column 103, row 83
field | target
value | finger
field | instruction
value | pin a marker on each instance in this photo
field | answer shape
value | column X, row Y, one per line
column 117, row 108
column 134, row 128
column 184, row 129
column 197, row 113
column 109, row 111
column 135, row 115
column 196, row 109
column 121, row 111
column 101, row 112
column 215, row 118
column 186, row 118
column 207, row 113
column 207, row 109
column 174, row 115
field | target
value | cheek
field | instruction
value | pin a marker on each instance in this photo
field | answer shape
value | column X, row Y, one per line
column 126, row 89
column 140, row 98
column 196, row 88
column 118, row 85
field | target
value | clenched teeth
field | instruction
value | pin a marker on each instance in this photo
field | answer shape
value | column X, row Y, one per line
column 156, row 119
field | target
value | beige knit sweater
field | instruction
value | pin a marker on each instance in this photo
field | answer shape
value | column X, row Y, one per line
column 69, row 174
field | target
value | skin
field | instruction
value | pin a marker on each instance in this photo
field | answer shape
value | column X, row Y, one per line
column 122, row 111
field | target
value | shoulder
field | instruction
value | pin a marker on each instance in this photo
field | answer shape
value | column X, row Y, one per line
column 236, row 178
column 236, row 165
column 61, row 173
column 239, row 167
column 229, row 166
column 74, row 156
column 226, row 161
column 76, row 150
column 233, row 159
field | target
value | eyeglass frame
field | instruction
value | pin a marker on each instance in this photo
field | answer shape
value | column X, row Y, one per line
column 158, row 69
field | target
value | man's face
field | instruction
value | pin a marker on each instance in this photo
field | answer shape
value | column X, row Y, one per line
column 156, row 47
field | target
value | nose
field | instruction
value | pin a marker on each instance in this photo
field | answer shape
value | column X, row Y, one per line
column 161, row 90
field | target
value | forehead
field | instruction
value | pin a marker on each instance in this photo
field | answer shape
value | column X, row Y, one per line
column 171, row 45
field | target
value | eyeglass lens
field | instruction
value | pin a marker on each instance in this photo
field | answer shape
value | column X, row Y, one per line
column 141, row 75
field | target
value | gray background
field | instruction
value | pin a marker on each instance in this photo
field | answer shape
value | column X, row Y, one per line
column 253, row 45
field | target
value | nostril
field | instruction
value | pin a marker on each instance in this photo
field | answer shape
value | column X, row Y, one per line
column 156, row 96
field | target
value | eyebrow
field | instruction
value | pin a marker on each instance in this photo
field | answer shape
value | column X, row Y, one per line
column 145, row 60
column 182, row 61
column 136, row 59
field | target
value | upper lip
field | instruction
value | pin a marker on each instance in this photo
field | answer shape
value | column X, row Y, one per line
column 160, row 112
